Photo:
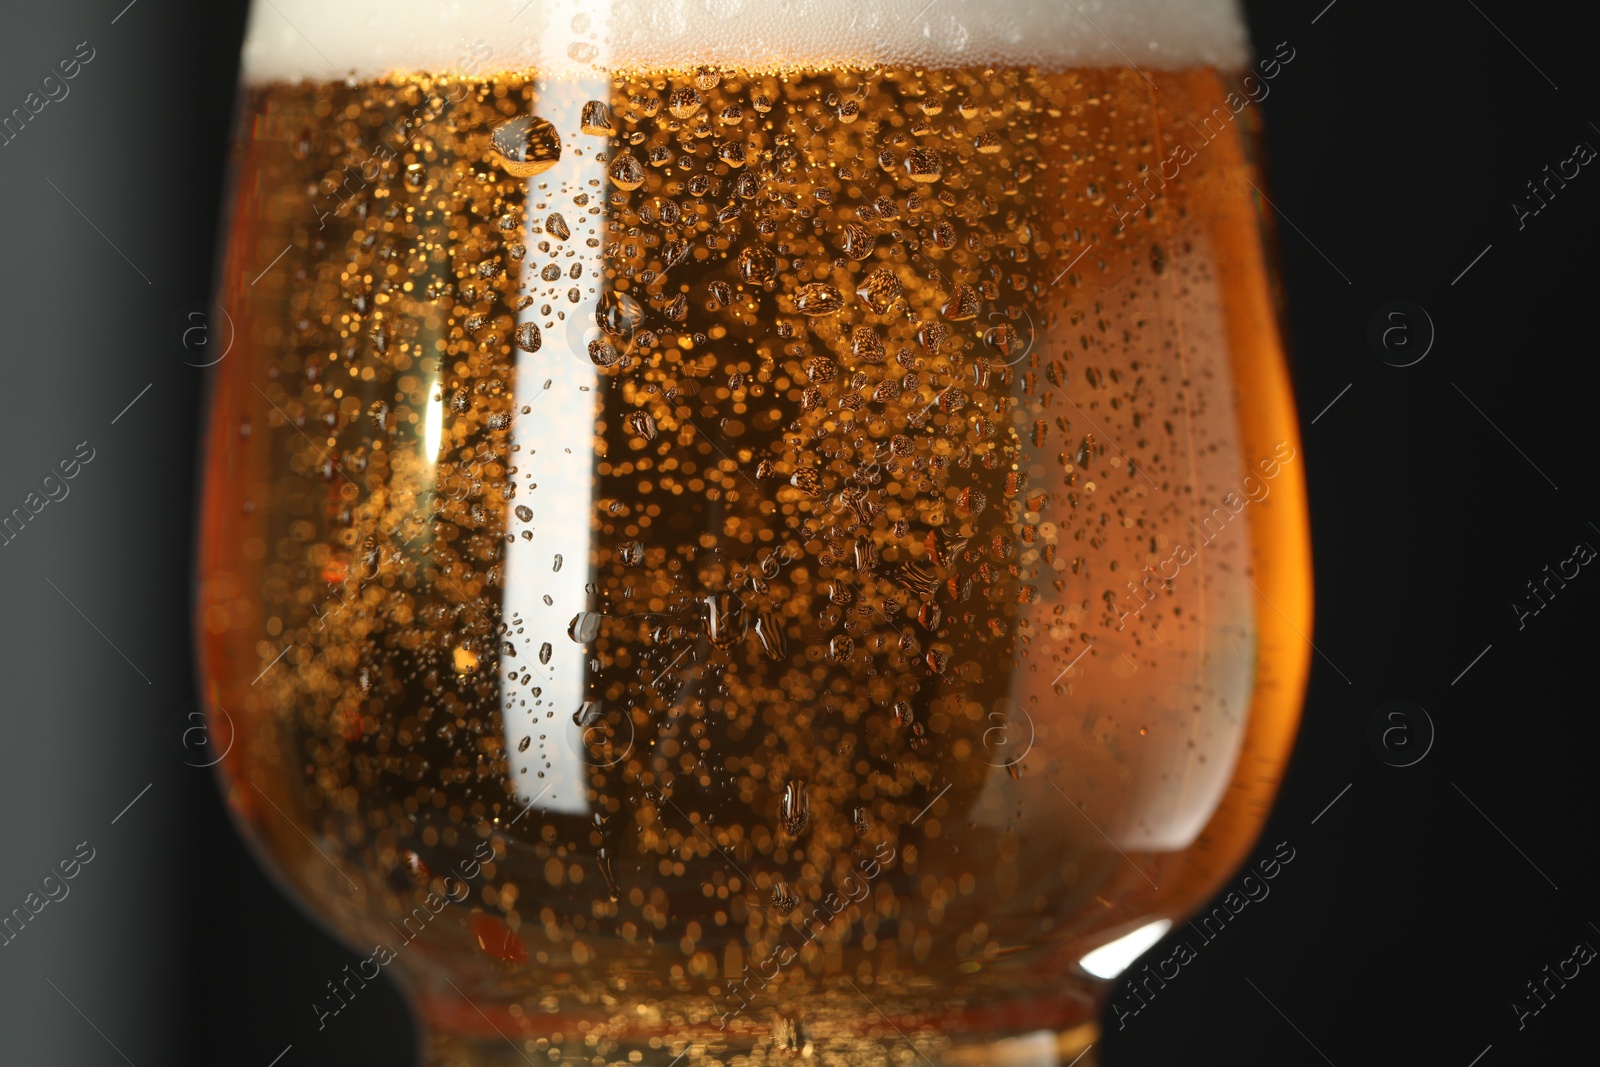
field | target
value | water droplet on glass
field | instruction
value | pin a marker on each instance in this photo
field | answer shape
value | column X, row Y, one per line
column 818, row 298
column 724, row 619
column 808, row 480
column 643, row 424
column 626, row 172
column 756, row 263
column 597, row 119
column 880, row 289
column 866, row 345
column 923, row 165
column 603, row 860
column 584, row 627
column 527, row 337
column 794, row 809
column 684, row 102
column 544, row 652
column 618, row 313
column 857, row 241
column 962, row 305
column 769, row 632
column 526, row 145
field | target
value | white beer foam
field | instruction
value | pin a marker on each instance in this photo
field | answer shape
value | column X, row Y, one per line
column 290, row 40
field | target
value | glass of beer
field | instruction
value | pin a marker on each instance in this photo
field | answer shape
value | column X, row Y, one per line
column 736, row 529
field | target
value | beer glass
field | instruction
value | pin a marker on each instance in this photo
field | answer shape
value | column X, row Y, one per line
column 737, row 529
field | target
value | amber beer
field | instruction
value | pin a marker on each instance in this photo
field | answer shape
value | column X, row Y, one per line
column 713, row 492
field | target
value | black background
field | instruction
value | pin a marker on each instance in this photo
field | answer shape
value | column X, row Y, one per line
column 1417, row 905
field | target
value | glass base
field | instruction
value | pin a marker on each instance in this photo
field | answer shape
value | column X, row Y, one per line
column 784, row 1044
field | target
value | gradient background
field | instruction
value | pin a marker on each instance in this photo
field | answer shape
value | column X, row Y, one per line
column 1396, row 142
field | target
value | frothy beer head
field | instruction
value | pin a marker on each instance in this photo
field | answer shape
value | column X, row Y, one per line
column 290, row 40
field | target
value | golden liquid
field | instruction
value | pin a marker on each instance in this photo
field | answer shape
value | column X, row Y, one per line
column 907, row 380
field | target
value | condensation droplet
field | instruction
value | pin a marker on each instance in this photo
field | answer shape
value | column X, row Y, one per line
column 584, row 627
column 818, row 298
column 526, row 145
column 880, row 289
column 527, row 337
column 626, row 172
column 794, row 810
column 597, row 119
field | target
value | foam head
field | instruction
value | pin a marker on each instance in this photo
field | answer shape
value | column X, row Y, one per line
column 291, row 40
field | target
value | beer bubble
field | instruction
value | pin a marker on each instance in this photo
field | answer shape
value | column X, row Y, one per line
column 525, row 146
